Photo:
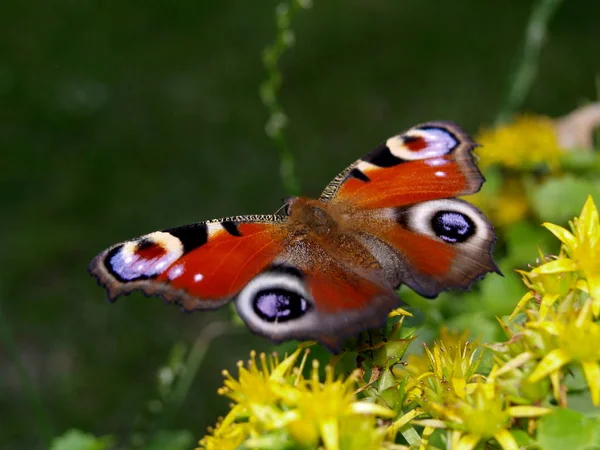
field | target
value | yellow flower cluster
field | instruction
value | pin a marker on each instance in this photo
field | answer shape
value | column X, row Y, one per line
column 275, row 404
column 448, row 390
column 514, row 151
column 561, row 328
column 528, row 141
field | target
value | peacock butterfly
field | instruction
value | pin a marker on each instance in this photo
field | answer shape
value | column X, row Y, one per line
column 327, row 268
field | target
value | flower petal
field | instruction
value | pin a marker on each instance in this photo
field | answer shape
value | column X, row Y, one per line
column 517, row 361
column 371, row 408
column 468, row 442
column 547, row 301
column 330, row 434
column 591, row 370
column 588, row 219
column 427, row 432
column 557, row 266
column 551, row 362
column 432, row 423
column 400, row 312
column 593, row 282
column 506, row 440
column 394, row 427
column 564, row 235
column 285, row 365
column 521, row 305
column 527, row 411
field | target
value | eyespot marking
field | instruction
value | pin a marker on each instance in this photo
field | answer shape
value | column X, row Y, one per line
column 452, row 226
column 414, row 143
column 144, row 258
column 147, row 249
column 279, row 305
column 422, row 143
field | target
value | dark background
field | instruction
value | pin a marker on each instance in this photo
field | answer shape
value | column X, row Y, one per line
column 120, row 118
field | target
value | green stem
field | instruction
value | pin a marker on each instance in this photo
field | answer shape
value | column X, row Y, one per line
column 523, row 77
column 192, row 365
column 277, row 121
column 44, row 427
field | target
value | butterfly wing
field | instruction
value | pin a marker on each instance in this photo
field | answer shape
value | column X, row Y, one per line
column 199, row 266
column 430, row 161
column 430, row 246
column 398, row 201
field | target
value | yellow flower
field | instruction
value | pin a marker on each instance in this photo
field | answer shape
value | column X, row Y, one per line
column 582, row 246
column 322, row 409
column 275, row 403
column 255, row 398
column 225, row 437
column 545, row 288
column 445, row 372
column 481, row 415
column 576, row 339
column 526, row 142
column 449, row 367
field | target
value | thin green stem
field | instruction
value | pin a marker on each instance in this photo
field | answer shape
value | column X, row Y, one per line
column 41, row 419
column 523, row 77
column 192, row 365
column 269, row 89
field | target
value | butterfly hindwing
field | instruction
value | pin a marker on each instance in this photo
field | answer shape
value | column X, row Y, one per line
column 200, row 266
column 430, row 246
column 430, row 161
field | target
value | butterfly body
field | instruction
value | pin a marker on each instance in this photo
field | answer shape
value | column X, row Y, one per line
column 329, row 267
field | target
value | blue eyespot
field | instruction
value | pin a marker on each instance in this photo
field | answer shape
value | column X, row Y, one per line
column 279, row 305
column 452, row 226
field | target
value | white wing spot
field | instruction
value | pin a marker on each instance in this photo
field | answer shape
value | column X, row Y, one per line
column 439, row 173
column 175, row 272
column 436, row 162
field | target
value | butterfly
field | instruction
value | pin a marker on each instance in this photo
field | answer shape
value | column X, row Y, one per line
column 328, row 268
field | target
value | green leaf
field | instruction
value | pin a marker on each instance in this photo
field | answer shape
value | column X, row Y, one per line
column 522, row 241
column 579, row 159
column 521, row 437
column 558, row 200
column 499, row 295
column 78, row 440
column 566, row 429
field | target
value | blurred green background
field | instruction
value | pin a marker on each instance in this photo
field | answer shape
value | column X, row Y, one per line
column 120, row 118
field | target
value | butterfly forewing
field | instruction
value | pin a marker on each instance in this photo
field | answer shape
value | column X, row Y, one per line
column 200, row 266
column 428, row 162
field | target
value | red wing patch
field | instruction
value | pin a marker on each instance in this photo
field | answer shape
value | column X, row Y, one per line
column 226, row 263
column 426, row 255
column 346, row 304
column 404, row 184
